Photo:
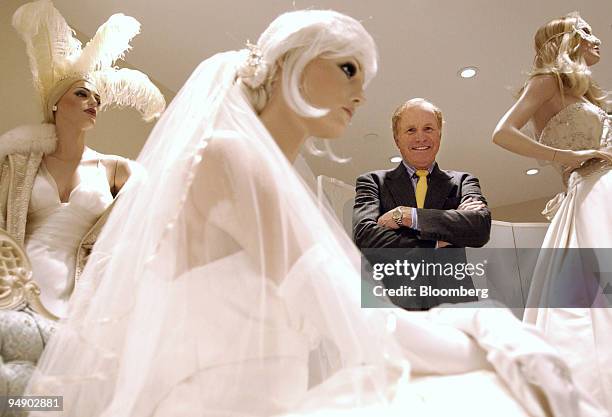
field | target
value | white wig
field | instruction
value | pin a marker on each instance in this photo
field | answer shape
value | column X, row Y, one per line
column 293, row 40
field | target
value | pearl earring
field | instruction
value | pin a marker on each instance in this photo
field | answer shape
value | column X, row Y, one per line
column 54, row 108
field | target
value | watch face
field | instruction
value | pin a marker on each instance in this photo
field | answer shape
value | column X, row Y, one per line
column 397, row 214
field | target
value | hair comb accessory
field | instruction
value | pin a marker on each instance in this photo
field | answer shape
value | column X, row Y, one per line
column 584, row 31
column 253, row 70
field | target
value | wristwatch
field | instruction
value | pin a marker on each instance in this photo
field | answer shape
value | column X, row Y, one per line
column 398, row 216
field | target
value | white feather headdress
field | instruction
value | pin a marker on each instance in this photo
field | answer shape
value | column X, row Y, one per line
column 56, row 55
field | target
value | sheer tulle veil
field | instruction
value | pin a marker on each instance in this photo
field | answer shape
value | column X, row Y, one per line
column 214, row 182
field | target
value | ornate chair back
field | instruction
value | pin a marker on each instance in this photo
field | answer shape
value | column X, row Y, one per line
column 17, row 289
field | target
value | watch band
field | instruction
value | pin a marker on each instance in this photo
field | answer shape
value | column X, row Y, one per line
column 398, row 216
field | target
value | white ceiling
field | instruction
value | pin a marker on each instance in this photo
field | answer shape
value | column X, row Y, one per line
column 422, row 44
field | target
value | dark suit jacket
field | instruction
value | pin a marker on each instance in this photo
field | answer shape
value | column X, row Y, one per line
column 381, row 191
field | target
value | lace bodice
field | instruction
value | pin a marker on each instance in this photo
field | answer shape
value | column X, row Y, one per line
column 578, row 126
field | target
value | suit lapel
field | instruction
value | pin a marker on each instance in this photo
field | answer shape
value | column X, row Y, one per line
column 400, row 188
column 438, row 188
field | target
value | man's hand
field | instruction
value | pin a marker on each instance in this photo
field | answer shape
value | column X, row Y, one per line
column 386, row 220
column 471, row 205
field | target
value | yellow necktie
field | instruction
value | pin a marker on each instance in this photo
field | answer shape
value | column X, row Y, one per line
column 421, row 187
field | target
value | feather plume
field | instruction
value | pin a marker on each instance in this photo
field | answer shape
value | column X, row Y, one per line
column 110, row 43
column 50, row 42
column 55, row 54
column 126, row 87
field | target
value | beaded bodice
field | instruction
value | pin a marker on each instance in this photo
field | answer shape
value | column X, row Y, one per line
column 578, row 126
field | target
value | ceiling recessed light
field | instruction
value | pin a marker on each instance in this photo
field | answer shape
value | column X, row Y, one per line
column 395, row 159
column 532, row 171
column 468, row 72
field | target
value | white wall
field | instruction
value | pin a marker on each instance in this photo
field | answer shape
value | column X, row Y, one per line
column 525, row 212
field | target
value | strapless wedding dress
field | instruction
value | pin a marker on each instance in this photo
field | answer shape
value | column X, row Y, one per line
column 580, row 218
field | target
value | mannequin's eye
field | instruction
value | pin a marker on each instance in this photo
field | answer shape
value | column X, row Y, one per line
column 349, row 69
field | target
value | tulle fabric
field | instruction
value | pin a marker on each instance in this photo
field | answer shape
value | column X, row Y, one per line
column 218, row 190
column 219, row 287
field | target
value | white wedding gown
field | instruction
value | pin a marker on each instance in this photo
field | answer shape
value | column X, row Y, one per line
column 271, row 378
column 54, row 230
column 582, row 220
column 203, row 368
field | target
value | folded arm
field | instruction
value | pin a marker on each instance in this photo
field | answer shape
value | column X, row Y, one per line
column 367, row 233
column 458, row 227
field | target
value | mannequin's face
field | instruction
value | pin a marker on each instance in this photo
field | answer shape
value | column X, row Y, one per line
column 78, row 106
column 589, row 44
column 335, row 84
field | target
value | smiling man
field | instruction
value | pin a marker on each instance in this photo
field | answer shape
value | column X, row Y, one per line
column 418, row 205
